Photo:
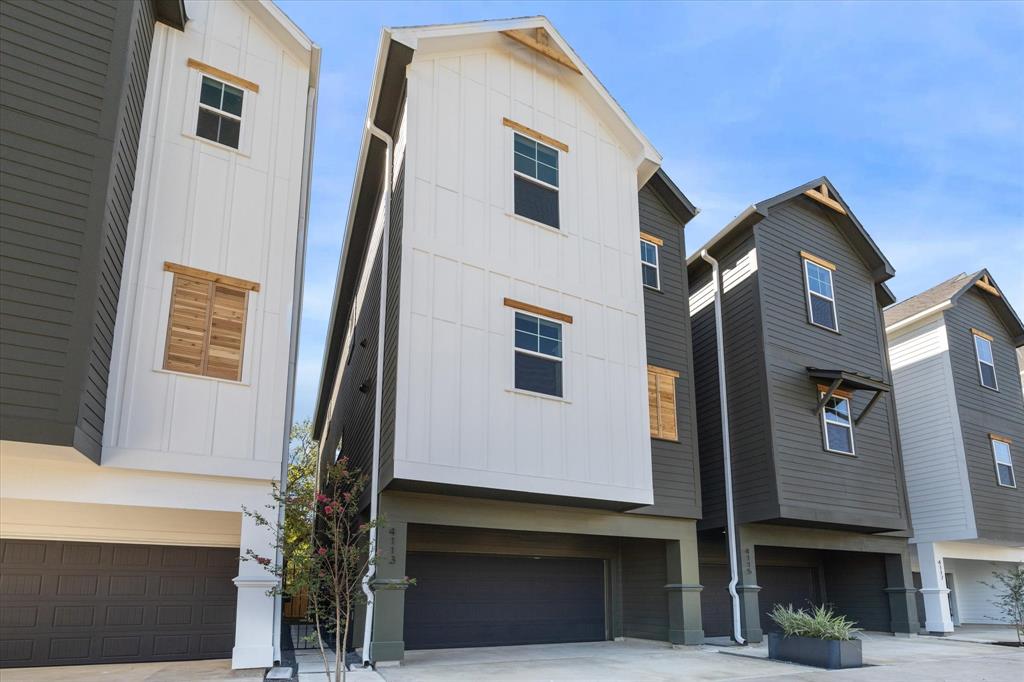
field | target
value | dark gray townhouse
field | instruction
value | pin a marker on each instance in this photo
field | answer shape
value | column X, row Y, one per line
column 954, row 351
column 508, row 359
column 819, row 497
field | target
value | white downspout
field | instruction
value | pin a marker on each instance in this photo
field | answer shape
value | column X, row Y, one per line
column 378, row 387
column 293, row 350
column 730, row 520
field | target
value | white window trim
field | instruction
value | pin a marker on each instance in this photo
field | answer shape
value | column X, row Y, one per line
column 809, row 294
column 561, row 360
column 824, row 427
column 977, row 357
column 510, row 162
column 191, row 115
column 656, row 265
column 997, row 463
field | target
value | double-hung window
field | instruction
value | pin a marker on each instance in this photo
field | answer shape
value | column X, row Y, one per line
column 538, row 354
column 837, row 424
column 220, row 112
column 649, row 270
column 821, row 301
column 986, row 360
column 1004, row 461
column 536, row 180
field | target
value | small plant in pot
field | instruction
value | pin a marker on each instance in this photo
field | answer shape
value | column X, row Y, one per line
column 818, row 637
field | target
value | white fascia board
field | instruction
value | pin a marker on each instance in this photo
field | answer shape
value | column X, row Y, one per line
column 919, row 317
column 288, row 32
column 648, row 158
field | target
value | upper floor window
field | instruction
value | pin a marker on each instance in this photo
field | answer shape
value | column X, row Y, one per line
column 837, row 425
column 649, row 271
column 206, row 323
column 538, row 354
column 661, row 403
column 821, row 301
column 1004, row 461
column 986, row 360
column 536, row 174
column 220, row 112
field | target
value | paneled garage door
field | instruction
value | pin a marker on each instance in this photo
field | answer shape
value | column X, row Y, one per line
column 64, row 603
column 462, row 600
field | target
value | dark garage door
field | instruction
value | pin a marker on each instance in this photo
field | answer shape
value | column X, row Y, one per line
column 464, row 600
column 65, row 603
column 796, row 585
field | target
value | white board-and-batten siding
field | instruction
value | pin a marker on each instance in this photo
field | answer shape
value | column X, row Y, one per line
column 231, row 212
column 463, row 252
column 932, row 444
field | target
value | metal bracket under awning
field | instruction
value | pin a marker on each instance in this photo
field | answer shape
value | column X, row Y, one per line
column 853, row 381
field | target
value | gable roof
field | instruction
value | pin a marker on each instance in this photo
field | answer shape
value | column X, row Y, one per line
column 944, row 295
column 674, row 199
column 394, row 53
column 824, row 192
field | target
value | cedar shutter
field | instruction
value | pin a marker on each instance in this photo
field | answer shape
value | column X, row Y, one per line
column 206, row 328
column 227, row 333
column 187, row 326
column 661, row 399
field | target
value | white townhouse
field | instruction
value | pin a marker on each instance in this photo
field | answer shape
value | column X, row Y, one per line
column 954, row 353
column 163, row 401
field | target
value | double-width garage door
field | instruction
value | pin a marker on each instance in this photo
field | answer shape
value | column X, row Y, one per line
column 65, row 603
column 462, row 600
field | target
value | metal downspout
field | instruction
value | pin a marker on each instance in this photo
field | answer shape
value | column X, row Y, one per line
column 293, row 350
column 726, row 450
column 378, row 388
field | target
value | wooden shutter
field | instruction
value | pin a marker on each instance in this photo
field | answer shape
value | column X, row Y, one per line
column 206, row 328
column 227, row 333
column 188, row 325
column 661, row 399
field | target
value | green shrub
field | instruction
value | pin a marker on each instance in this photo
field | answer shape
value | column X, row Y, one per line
column 820, row 623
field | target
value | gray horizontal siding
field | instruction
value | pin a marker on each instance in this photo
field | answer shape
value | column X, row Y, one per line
column 387, row 438
column 998, row 511
column 753, row 476
column 674, row 464
column 815, row 485
column 72, row 89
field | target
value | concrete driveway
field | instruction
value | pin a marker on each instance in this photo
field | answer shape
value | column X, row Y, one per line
column 888, row 659
column 172, row 671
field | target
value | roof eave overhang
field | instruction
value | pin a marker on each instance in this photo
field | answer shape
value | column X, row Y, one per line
column 919, row 317
column 646, row 159
column 171, row 12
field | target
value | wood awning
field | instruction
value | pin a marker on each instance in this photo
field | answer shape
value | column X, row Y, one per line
column 839, row 380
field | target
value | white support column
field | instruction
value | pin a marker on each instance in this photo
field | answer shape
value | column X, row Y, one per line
column 934, row 589
column 254, row 615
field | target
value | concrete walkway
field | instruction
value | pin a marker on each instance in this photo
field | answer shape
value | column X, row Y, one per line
column 311, row 668
column 888, row 659
column 172, row 671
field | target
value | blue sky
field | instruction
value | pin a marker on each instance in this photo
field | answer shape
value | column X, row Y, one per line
column 915, row 112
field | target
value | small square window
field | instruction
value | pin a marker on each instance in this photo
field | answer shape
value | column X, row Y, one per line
column 538, row 365
column 649, row 264
column 837, row 425
column 1004, row 462
column 986, row 361
column 220, row 112
column 821, row 302
column 535, row 166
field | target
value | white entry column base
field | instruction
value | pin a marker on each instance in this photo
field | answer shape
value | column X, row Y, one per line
column 934, row 590
column 255, row 612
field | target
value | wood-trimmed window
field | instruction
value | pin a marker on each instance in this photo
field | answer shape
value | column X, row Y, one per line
column 821, row 300
column 650, row 253
column 837, row 421
column 661, row 402
column 1003, row 460
column 986, row 359
column 206, row 323
column 535, row 171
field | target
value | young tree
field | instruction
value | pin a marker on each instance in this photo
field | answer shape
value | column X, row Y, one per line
column 329, row 564
column 1009, row 588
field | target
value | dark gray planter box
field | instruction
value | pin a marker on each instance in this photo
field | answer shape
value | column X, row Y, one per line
column 822, row 653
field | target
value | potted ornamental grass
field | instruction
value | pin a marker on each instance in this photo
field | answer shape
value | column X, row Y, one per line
column 818, row 637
